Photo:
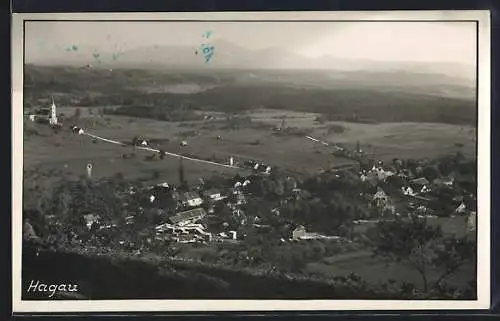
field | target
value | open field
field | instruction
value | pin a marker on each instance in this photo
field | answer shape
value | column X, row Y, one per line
column 406, row 121
column 450, row 225
column 374, row 270
column 256, row 141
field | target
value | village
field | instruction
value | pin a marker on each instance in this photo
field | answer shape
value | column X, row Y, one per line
column 415, row 187
column 201, row 214
column 262, row 214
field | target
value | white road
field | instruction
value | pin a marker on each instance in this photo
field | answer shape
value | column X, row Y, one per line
column 322, row 142
column 166, row 153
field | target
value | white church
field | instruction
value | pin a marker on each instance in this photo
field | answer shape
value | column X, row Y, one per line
column 46, row 115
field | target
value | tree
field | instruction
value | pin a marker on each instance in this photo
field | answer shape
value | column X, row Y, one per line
column 70, row 200
column 77, row 114
column 431, row 173
column 424, row 248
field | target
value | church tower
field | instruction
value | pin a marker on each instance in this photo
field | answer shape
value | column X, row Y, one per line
column 53, row 114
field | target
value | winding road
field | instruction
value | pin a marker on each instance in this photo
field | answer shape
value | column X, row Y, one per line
column 157, row 151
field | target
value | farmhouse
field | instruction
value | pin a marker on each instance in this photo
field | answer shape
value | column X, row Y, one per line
column 300, row 233
column 191, row 199
column 90, row 219
column 240, row 199
column 444, row 182
column 462, row 208
column 29, row 231
column 420, row 184
column 471, row 222
column 213, row 194
column 408, row 191
column 299, row 194
column 185, row 233
column 380, row 199
column 188, row 217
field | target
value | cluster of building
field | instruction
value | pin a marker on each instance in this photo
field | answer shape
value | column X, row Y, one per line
column 300, row 233
column 193, row 208
column 416, row 190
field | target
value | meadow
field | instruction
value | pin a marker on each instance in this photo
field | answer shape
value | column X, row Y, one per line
column 256, row 140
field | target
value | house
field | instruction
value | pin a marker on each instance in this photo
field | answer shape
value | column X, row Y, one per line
column 371, row 177
column 380, row 199
column 420, row 183
column 299, row 194
column 231, row 235
column 235, row 190
column 461, row 208
column 292, row 183
column 240, row 199
column 129, row 220
column 213, row 195
column 471, row 222
column 408, row 191
column 163, row 185
column 425, row 189
column 444, row 182
column 90, row 219
column 300, row 233
column 191, row 199
column 188, row 217
column 191, row 231
column 29, row 231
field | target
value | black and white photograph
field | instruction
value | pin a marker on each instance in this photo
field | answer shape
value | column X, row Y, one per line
column 251, row 161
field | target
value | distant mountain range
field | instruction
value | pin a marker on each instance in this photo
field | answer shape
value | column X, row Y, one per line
column 228, row 55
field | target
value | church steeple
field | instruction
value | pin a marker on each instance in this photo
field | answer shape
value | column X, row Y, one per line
column 53, row 113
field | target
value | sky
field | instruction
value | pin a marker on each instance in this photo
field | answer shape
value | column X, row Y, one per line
column 377, row 41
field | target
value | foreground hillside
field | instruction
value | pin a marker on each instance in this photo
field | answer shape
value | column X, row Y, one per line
column 108, row 277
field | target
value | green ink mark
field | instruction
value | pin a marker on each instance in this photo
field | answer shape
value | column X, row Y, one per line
column 72, row 48
column 116, row 55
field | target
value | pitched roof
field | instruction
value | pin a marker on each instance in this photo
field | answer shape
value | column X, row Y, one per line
column 420, row 181
column 190, row 196
column 211, row 192
column 187, row 215
column 380, row 194
column 90, row 217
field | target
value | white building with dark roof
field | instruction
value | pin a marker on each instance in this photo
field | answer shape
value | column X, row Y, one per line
column 191, row 199
column 188, row 217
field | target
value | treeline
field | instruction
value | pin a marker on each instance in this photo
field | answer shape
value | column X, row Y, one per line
column 155, row 112
column 370, row 105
